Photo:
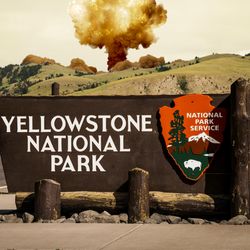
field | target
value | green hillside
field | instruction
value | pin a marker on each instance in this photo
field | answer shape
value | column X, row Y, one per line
column 210, row 74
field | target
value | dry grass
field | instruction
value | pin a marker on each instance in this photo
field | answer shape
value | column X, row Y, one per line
column 214, row 74
column 68, row 85
column 211, row 75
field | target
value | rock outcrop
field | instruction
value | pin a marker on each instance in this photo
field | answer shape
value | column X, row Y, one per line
column 94, row 69
column 37, row 60
column 79, row 65
column 124, row 65
column 150, row 61
column 145, row 62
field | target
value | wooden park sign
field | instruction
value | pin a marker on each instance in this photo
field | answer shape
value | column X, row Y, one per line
column 90, row 143
column 193, row 132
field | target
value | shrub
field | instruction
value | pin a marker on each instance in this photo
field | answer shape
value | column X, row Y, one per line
column 14, row 76
column 92, row 85
column 197, row 59
column 21, row 89
column 182, row 83
column 80, row 73
column 59, row 75
column 3, row 88
column 6, row 71
column 5, row 92
column 28, row 71
column 23, row 73
column 163, row 68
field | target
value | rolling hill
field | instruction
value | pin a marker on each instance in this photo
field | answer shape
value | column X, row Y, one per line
column 210, row 74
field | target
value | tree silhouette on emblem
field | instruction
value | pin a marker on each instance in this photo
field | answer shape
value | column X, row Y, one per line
column 178, row 137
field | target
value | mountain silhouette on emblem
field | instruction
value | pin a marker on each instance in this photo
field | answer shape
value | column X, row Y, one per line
column 204, row 137
column 197, row 144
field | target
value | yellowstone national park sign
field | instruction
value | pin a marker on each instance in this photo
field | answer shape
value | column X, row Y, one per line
column 90, row 143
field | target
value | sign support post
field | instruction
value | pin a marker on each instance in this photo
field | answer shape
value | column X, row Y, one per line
column 55, row 89
column 47, row 200
column 240, row 141
column 138, row 205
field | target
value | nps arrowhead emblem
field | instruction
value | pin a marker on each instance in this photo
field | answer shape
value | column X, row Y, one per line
column 193, row 132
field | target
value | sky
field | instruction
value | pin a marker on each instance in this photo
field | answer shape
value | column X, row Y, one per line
column 194, row 28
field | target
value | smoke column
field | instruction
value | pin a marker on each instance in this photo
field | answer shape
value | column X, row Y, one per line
column 117, row 25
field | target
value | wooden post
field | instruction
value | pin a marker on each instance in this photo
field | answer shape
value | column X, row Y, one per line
column 240, row 135
column 55, row 89
column 47, row 200
column 138, row 205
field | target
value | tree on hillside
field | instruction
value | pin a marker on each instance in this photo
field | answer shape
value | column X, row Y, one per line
column 178, row 137
column 197, row 59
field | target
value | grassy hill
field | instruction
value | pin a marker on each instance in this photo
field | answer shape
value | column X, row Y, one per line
column 210, row 74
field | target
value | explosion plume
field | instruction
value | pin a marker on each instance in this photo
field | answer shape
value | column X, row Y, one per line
column 116, row 25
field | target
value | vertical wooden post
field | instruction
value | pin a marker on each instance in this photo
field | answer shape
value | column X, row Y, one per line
column 138, row 206
column 55, row 89
column 47, row 200
column 240, row 135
